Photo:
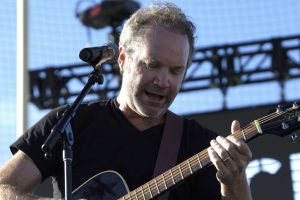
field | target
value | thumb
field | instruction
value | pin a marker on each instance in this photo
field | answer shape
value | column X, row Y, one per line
column 235, row 126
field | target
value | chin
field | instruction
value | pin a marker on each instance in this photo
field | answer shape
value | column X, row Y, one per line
column 153, row 113
column 151, row 110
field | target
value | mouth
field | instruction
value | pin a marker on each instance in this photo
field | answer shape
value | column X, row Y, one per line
column 154, row 97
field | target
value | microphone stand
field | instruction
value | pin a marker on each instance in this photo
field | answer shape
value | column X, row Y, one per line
column 63, row 130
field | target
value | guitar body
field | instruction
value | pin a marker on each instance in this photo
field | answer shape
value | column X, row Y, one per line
column 108, row 185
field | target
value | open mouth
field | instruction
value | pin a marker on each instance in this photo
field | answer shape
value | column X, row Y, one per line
column 154, row 97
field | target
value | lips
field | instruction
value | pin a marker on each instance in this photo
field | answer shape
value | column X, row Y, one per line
column 154, row 97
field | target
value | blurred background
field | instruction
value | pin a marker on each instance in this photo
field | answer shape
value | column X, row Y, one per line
column 247, row 61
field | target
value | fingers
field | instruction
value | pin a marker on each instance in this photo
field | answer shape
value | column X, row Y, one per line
column 223, row 153
column 231, row 146
column 221, row 160
column 240, row 146
column 218, row 146
column 230, row 156
column 235, row 126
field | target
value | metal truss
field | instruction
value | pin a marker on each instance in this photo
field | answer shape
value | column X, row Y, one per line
column 224, row 66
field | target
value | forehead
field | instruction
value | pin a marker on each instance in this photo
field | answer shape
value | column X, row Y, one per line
column 164, row 45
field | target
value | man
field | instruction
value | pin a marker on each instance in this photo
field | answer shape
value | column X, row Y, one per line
column 124, row 134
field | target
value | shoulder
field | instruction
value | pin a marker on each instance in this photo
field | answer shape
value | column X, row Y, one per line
column 85, row 110
column 93, row 107
column 91, row 110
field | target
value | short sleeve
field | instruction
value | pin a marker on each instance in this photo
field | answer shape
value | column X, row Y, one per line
column 31, row 141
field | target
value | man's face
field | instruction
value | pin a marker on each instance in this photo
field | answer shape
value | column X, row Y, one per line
column 153, row 73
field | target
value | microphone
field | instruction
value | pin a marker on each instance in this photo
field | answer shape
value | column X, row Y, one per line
column 108, row 53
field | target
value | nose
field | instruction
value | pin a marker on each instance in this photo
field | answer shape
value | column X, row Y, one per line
column 162, row 79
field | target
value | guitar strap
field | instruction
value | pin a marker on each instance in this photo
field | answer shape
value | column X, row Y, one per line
column 169, row 146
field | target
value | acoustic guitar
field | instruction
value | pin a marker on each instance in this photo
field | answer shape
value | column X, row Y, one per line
column 110, row 185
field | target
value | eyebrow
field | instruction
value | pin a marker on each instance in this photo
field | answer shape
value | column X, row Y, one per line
column 158, row 63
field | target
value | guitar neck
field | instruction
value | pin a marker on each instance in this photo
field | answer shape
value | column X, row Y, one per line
column 186, row 168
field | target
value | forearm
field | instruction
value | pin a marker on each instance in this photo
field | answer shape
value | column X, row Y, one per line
column 240, row 191
column 10, row 192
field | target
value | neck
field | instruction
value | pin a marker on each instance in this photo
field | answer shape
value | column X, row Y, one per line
column 140, row 122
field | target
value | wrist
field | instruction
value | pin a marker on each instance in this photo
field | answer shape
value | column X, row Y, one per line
column 239, row 190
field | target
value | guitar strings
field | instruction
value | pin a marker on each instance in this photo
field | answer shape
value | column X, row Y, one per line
column 277, row 122
column 177, row 174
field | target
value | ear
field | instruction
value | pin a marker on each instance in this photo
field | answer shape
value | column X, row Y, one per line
column 121, row 59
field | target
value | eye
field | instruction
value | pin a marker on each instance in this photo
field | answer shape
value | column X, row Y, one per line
column 177, row 71
column 149, row 66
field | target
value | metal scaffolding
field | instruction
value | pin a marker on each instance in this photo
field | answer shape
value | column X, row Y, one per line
column 223, row 66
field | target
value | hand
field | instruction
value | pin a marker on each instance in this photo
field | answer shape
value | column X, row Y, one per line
column 230, row 156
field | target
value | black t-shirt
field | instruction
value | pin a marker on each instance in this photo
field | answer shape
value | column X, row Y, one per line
column 106, row 140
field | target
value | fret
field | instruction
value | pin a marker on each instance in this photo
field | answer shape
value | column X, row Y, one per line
column 145, row 189
column 193, row 161
column 164, row 181
column 155, row 181
column 133, row 193
column 191, row 171
column 245, row 138
column 148, row 186
column 175, row 173
column 168, row 178
column 199, row 161
column 180, row 171
column 153, row 188
column 172, row 176
column 161, row 183
column 139, row 193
